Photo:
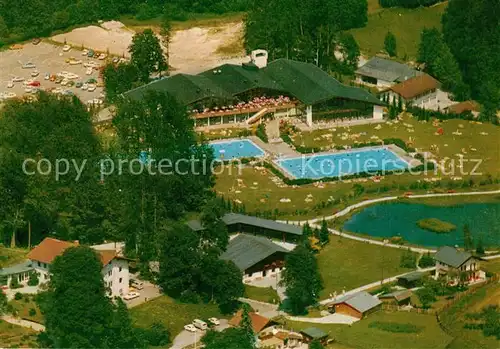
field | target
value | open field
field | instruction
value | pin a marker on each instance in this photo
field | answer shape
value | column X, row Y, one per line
column 345, row 264
column 454, row 319
column 477, row 141
column 11, row 256
column 492, row 265
column 262, row 294
column 406, row 24
column 361, row 336
column 50, row 59
column 13, row 336
column 172, row 314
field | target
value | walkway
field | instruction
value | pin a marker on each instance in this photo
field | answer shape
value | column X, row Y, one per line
column 329, row 319
column 265, row 309
column 24, row 323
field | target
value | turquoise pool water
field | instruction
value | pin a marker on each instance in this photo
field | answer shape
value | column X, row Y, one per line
column 342, row 164
column 400, row 219
column 235, row 149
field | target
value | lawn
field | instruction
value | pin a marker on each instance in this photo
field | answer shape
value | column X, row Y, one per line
column 13, row 336
column 262, row 294
column 22, row 309
column 454, row 319
column 11, row 256
column 347, row 264
column 492, row 265
column 406, row 24
column 363, row 336
column 172, row 314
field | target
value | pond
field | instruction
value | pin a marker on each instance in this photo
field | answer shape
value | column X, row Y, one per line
column 400, row 219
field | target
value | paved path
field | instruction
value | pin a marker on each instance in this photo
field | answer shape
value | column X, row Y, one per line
column 24, row 323
column 265, row 309
column 186, row 339
column 329, row 319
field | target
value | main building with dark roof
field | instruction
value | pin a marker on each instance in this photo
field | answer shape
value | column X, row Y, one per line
column 234, row 93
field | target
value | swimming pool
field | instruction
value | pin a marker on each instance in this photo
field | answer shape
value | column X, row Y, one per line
column 236, row 149
column 342, row 164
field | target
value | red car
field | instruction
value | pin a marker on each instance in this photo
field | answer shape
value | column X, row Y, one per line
column 34, row 83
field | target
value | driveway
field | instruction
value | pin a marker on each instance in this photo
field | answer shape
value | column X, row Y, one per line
column 150, row 291
column 25, row 290
column 186, row 338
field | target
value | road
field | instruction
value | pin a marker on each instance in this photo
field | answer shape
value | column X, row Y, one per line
column 185, row 338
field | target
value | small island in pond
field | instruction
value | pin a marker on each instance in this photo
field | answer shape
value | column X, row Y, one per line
column 435, row 225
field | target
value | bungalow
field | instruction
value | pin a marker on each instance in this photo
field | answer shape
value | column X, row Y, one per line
column 454, row 265
column 462, row 107
column 419, row 91
column 255, row 256
column 356, row 305
column 411, row 280
column 259, row 322
column 384, row 73
column 115, row 270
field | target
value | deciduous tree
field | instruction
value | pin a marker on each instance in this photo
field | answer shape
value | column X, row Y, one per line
column 147, row 55
column 390, row 44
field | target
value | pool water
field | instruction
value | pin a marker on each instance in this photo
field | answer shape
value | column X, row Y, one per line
column 342, row 164
column 400, row 219
column 235, row 149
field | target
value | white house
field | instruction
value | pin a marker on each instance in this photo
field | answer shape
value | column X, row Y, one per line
column 420, row 91
column 450, row 263
column 115, row 268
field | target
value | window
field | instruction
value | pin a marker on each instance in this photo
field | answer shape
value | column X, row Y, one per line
column 110, row 272
column 120, row 269
column 39, row 264
column 120, row 281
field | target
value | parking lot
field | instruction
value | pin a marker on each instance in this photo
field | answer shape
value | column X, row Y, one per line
column 48, row 59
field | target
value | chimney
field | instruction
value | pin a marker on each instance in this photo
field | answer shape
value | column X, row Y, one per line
column 259, row 58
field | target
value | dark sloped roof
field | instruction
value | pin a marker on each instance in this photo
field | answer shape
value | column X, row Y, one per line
column 384, row 69
column 247, row 250
column 361, row 301
column 237, row 218
column 16, row 269
column 185, row 88
column 459, row 108
column 413, row 276
column 311, row 84
column 237, row 79
column 451, row 256
column 397, row 295
column 314, row 333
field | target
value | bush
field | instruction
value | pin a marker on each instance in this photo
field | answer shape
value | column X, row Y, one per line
column 33, row 281
column 32, row 312
column 261, row 133
column 407, row 3
column 18, row 296
column 426, row 261
column 408, row 260
column 155, row 336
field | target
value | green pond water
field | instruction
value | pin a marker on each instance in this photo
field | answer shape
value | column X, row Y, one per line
column 400, row 219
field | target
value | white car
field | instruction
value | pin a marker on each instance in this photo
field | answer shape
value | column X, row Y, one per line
column 28, row 90
column 10, row 84
column 214, row 321
column 89, row 71
column 91, row 88
column 64, row 82
column 71, row 76
column 190, row 328
column 75, row 61
column 10, row 95
column 131, row 295
column 29, row 65
column 66, row 48
column 85, row 52
column 35, row 73
column 17, row 79
column 85, row 87
column 102, row 56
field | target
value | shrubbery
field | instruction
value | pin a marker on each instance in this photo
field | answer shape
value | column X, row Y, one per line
column 395, row 327
column 407, row 3
column 261, row 133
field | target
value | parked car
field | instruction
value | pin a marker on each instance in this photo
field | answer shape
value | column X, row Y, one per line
column 102, row 56
column 131, row 295
column 214, row 321
column 85, row 52
column 135, row 283
column 70, row 83
column 85, row 87
column 34, row 83
column 79, row 84
column 66, row 48
column 89, row 71
column 29, row 65
column 90, row 53
column 64, row 82
column 202, row 325
column 36, row 41
column 35, row 73
column 190, row 328
column 91, row 88
column 10, row 84
column 116, row 60
column 17, row 79
column 47, row 76
column 75, row 61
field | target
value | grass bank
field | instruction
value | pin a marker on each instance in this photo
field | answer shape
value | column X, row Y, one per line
column 262, row 294
column 14, row 336
column 11, row 256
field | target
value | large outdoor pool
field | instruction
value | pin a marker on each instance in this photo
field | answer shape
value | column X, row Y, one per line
column 400, row 219
column 342, row 163
column 236, row 149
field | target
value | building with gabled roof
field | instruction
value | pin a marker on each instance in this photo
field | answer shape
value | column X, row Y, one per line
column 115, row 270
column 450, row 263
column 356, row 305
column 384, row 73
column 259, row 322
column 419, row 91
column 234, row 93
column 255, row 256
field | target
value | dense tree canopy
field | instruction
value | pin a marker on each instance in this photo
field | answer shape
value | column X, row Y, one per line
column 232, row 338
column 304, row 30
column 50, row 131
column 472, row 31
column 390, row 44
column 147, row 55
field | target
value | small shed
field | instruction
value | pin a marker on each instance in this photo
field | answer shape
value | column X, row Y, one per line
column 313, row 333
column 401, row 297
column 356, row 305
column 411, row 280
